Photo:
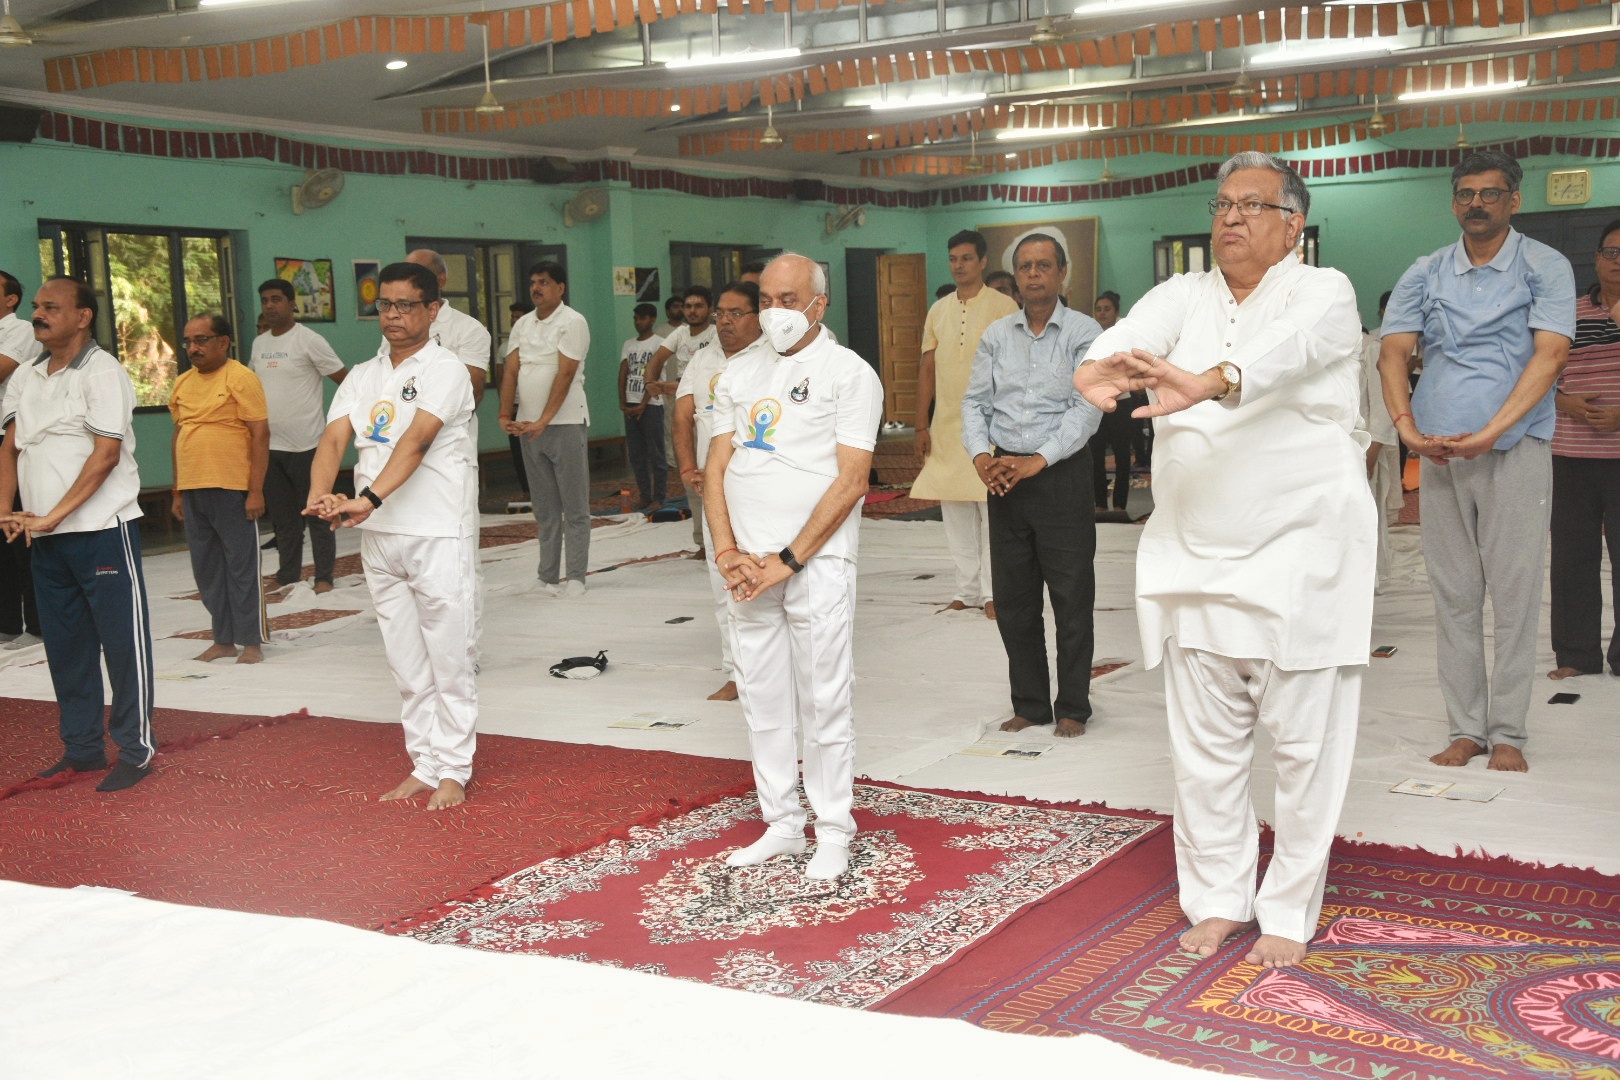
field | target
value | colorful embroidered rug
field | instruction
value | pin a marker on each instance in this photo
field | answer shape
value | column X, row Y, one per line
column 930, row 874
column 282, row 817
column 1427, row 968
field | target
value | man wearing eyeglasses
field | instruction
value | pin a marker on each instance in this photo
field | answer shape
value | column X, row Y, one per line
column 1254, row 576
column 1495, row 312
column 406, row 411
column 221, row 454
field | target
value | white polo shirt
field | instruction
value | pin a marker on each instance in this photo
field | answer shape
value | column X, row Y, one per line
column 17, row 340
column 684, row 345
column 538, row 341
column 463, row 335
column 380, row 401
column 55, row 420
column 787, row 416
column 291, row 367
column 699, row 380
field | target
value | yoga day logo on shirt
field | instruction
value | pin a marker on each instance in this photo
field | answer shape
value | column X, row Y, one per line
column 714, row 380
column 801, row 393
column 408, row 391
column 382, row 417
column 763, row 416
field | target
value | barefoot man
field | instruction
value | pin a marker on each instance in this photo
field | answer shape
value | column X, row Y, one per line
column 408, row 411
column 1496, row 313
column 1254, row 575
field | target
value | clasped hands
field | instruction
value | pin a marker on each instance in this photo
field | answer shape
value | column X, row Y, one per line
column 528, row 429
column 340, row 511
column 27, row 525
column 1442, row 449
column 748, row 575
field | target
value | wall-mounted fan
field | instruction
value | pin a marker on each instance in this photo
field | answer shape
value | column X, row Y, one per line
column 588, row 205
column 319, row 187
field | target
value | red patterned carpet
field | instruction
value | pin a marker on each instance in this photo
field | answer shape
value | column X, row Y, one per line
column 931, row 874
column 1426, row 969
column 283, row 819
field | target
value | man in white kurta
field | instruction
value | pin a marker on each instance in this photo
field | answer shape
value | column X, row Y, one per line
column 737, row 322
column 1255, row 573
column 407, row 411
column 951, row 336
column 787, row 470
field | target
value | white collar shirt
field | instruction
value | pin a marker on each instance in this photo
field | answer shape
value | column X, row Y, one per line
column 538, row 342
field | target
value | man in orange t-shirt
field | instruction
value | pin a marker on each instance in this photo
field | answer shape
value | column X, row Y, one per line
column 221, row 452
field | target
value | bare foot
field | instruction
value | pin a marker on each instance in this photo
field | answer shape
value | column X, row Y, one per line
column 450, row 793
column 1271, row 951
column 214, row 652
column 700, row 555
column 1069, row 729
column 1566, row 673
column 1506, row 758
column 954, row 605
column 990, row 609
column 1460, row 752
column 323, row 587
column 1203, row 938
column 409, row 787
column 251, row 654
column 1017, row 723
column 727, row 692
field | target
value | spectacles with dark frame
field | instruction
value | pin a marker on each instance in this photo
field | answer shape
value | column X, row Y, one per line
column 1610, row 253
column 404, row 307
column 199, row 341
column 1489, row 196
column 731, row 314
column 1246, row 207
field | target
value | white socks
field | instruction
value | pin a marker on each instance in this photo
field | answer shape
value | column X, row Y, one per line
column 828, row 863
column 766, row 847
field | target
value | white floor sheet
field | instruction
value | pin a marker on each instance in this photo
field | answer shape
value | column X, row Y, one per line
column 326, row 1000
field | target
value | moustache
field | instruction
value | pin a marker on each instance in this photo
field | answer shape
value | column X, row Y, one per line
column 1476, row 215
column 41, row 324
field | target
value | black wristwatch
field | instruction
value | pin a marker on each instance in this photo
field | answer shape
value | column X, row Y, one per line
column 371, row 497
column 789, row 560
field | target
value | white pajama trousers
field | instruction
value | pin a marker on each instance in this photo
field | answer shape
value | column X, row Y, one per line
column 722, row 604
column 423, row 589
column 967, row 534
column 796, row 669
column 1214, row 703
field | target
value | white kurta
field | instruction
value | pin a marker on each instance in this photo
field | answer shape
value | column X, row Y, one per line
column 1263, row 539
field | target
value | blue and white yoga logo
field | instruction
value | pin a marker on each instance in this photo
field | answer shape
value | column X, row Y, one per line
column 714, row 381
column 408, row 391
column 382, row 417
column 801, row 393
column 764, row 415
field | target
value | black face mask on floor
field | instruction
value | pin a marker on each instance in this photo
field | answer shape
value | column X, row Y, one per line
column 580, row 667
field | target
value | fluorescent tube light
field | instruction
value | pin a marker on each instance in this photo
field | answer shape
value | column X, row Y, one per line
column 918, row 101
column 1040, row 132
column 748, row 57
column 1462, row 91
column 1309, row 53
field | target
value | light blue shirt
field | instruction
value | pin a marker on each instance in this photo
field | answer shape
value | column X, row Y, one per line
column 1478, row 327
column 1021, row 395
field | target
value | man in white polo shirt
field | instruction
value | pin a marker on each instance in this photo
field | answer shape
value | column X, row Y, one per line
column 406, row 411
column 70, row 447
column 455, row 329
column 787, row 470
column 664, row 373
column 290, row 360
column 737, row 323
column 19, row 614
column 545, row 375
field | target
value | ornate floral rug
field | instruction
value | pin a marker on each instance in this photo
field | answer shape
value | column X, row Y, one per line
column 930, row 874
column 1426, row 969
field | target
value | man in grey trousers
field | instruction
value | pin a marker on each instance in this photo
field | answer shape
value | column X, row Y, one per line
column 1496, row 315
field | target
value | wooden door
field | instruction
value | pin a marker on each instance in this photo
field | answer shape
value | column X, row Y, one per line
column 902, row 307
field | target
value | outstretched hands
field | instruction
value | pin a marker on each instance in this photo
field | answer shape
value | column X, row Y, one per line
column 1104, row 380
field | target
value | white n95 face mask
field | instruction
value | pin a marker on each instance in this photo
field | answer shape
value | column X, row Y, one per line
column 783, row 326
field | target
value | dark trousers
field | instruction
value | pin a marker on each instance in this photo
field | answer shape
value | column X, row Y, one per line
column 515, row 445
column 19, row 611
column 1585, row 510
column 1113, row 434
column 93, row 605
column 224, row 547
column 1044, row 533
column 286, row 493
column 644, row 444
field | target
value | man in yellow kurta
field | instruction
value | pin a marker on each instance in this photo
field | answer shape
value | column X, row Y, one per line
column 950, row 338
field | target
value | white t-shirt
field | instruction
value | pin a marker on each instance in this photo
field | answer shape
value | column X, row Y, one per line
column 684, row 345
column 463, row 335
column 699, row 380
column 635, row 354
column 17, row 340
column 291, row 367
column 55, row 420
column 538, row 342
column 787, row 416
column 380, row 400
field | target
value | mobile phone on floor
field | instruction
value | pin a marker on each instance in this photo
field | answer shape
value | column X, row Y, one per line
column 1563, row 699
column 1384, row 652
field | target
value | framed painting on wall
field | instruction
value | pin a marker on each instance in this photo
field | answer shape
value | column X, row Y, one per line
column 1079, row 239
column 311, row 280
column 365, row 288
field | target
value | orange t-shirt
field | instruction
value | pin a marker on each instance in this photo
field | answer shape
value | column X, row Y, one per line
column 211, row 414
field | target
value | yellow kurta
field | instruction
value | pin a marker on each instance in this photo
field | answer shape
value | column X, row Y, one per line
column 952, row 331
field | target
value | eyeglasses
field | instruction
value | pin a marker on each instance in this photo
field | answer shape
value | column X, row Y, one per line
column 199, row 342
column 1610, row 253
column 1248, row 207
column 404, row 307
column 731, row 314
column 1489, row 196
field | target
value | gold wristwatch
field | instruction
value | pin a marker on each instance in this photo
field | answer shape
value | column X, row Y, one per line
column 1232, row 376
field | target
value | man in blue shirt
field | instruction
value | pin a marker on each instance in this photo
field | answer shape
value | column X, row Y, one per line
column 1496, row 314
column 1025, row 426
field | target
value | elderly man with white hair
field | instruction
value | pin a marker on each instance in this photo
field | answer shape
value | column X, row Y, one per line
column 1254, row 575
